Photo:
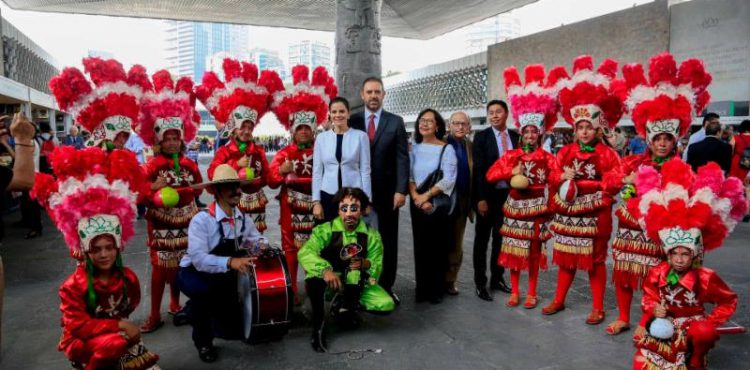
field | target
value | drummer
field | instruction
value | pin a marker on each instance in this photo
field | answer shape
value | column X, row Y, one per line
column 208, row 272
column 346, row 256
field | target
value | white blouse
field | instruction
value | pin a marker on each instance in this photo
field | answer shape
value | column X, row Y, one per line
column 355, row 163
column 424, row 160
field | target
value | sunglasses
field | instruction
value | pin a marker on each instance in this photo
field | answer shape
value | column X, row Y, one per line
column 349, row 208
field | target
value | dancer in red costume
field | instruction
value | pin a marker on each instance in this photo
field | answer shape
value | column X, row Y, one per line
column 687, row 214
column 92, row 202
column 238, row 104
column 527, row 169
column 662, row 109
column 300, row 110
column 168, row 121
column 109, row 109
column 589, row 177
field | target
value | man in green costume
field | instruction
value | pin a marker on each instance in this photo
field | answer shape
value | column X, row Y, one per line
column 346, row 256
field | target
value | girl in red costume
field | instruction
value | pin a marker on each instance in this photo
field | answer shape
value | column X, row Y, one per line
column 527, row 169
column 589, row 177
column 92, row 202
column 686, row 214
column 168, row 120
column 239, row 103
column 662, row 110
column 300, row 110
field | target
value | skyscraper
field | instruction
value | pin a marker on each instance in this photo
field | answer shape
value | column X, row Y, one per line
column 191, row 44
column 490, row 31
column 268, row 59
column 311, row 54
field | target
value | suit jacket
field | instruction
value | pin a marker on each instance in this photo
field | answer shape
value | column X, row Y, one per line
column 711, row 149
column 485, row 153
column 468, row 147
column 389, row 159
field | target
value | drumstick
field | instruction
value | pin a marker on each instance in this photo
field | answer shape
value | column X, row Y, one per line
column 731, row 330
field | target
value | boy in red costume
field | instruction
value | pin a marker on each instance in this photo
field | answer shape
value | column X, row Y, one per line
column 92, row 202
column 168, row 120
column 589, row 177
column 662, row 109
column 687, row 214
column 300, row 110
column 239, row 103
column 527, row 169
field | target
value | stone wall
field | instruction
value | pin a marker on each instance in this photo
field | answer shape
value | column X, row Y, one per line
column 630, row 35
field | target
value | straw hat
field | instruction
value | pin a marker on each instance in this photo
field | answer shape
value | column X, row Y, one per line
column 224, row 174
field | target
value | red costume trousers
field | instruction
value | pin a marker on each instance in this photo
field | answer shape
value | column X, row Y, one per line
column 290, row 249
column 98, row 352
column 597, row 276
column 535, row 253
column 160, row 277
column 701, row 336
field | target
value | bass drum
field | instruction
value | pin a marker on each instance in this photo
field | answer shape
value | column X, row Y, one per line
column 267, row 299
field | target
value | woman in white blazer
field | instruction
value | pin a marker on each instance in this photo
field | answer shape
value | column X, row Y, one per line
column 341, row 158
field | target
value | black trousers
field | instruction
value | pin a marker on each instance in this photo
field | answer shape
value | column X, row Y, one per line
column 432, row 240
column 31, row 212
column 213, row 299
column 388, row 228
column 486, row 227
column 316, row 289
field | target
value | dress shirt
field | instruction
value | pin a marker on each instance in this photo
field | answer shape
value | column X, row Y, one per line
column 424, row 160
column 377, row 114
column 135, row 144
column 355, row 163
column 508, row 147
column 696, row 137
column 204, row 236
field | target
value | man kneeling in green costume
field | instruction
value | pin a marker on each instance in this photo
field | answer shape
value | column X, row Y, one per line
column 346, row 256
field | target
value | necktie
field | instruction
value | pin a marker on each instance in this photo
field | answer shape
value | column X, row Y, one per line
column 371, row 127
column 503, row 140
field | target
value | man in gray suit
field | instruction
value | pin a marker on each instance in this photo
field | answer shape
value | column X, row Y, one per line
column 389, row 163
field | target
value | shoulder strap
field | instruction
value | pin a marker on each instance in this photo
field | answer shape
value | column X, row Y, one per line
column 440, row 160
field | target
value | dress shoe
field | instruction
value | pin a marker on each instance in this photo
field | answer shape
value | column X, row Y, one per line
column 207, row 353
column 501, row 286
column 483, row 294
column 451, row 289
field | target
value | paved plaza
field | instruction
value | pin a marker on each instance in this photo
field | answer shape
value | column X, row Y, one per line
column 463, row 332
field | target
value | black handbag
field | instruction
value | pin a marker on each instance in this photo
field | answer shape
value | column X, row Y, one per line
column 744, row 161
column 442, row 204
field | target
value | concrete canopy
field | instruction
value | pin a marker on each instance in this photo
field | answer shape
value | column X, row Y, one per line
column 417, row 19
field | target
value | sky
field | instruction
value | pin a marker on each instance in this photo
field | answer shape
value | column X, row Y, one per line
column 69, row 37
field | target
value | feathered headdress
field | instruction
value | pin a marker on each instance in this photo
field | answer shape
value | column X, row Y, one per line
column 684, row 209
column 107, row 108
column 669, row 99
column 591, row 95
column 169, row 106
column 533, row 103
column 307, row 102
column 242, row 97
column 93, row 193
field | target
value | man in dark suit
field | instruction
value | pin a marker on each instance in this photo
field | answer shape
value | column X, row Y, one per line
column 489, row 198
column 389, row 165
column 711, row 149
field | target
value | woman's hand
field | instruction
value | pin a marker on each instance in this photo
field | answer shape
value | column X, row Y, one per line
column 420, row 199
column 286, row 167
column 426, row 207
column 318, row 211
column 159, row 183
column 517, row 169
column 21, row 128
column 629, row 179
column 483, row 208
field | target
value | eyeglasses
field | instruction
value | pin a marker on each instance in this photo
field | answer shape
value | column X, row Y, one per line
column 426, row 121
column 459, row 123
column 349, row 208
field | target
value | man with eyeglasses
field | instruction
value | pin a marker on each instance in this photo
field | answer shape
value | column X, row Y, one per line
column 459, row 130
column 346, row 256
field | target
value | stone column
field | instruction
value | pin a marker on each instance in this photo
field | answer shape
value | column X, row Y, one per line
column 357, row 46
